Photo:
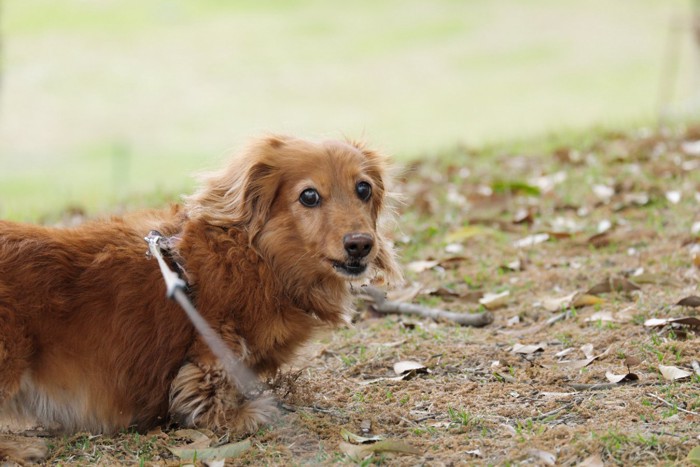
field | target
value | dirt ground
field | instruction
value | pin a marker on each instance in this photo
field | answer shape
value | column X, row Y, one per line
column 572, row 248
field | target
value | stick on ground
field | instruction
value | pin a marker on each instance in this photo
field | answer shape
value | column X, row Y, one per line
column 382, row 305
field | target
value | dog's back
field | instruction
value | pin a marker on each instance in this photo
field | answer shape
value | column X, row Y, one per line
column 68, row 298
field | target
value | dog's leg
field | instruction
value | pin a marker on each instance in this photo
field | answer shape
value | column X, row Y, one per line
column 202, row 396
column 15, row 352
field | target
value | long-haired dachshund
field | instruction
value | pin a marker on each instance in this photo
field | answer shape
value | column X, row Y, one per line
column 267, row 246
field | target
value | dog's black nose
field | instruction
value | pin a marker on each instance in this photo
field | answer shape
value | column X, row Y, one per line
column 358, row 245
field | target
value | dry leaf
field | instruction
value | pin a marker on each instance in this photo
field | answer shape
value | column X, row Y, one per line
column 656, row 322
column 406, row 294
column 592, row 461
column 582, row 300
column 694, row 456
column 504, row 377
column 527, row 349
column 513, row 320
column 604, row 226
column 468, row 231
column 573, row 364
column 531, row 240
column 613, row 284
column 657, row 279
column 564, row 352
column 420, row 266
column 523, row 216
column 403, row 367
column 557, row 304
column 692, row 301
column 515, row 265
column 587, row 350
column 357, row 439
column 388, row 445
column 495, row 300
column 631, row 361
column 220, row 452
column 454, row 248
column 197, row 438
column 559, row 235
column 602, row 316
column 603, row 192
column 547, row 458
column 613, row 378
column 672, row 373
column 575, row 300
column 659, row 322
column 443, row 292
column 674, row 197
column 691, row 148
column 599, row 240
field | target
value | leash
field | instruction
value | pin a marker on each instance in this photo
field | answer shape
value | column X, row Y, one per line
column 244, row 379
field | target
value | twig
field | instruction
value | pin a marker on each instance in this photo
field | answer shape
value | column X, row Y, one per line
column 602, row 386
column 546, row 415
column 382, row 305
column 558, row 317
column 675, row 406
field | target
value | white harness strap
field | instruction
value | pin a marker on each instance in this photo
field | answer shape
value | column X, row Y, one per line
column 238, row 373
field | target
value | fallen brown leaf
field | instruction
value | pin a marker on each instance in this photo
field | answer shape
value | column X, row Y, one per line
column 673, row 373
column 388, row 445
column 491, row 301
column 692, row 301
column 527, row 349
column 220, row 452
column 659, row 322
column 357, row 439
column 613, row 284
column 613, row 378
column 405, row 366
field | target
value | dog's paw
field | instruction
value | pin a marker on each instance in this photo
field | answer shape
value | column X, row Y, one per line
column 254, row 413
column 201, row 396
column 198, row 397
column 24, row 450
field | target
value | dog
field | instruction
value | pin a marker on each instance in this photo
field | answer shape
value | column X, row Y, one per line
column 268, row 246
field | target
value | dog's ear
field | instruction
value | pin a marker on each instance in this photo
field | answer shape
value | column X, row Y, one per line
column 259, row 190
column 242, row 193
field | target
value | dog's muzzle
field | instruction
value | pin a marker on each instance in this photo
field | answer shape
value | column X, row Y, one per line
column 350, row 268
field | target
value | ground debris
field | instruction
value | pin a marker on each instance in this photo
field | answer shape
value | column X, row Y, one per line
column 588, row 241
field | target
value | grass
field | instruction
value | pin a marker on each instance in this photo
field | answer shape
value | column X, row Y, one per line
column 105, row 103
column 479, row 396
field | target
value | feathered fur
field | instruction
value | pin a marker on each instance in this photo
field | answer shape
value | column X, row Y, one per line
column 88, row 340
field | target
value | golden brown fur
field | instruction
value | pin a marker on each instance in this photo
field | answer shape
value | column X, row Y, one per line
column 88, row 340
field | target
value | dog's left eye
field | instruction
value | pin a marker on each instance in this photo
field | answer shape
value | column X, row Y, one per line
column 364, row 191
column 310, row 198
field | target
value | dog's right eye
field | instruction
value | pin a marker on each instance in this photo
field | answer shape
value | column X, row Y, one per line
column 310, row 198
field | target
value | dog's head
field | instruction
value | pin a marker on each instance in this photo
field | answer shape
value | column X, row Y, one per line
column 312, row 209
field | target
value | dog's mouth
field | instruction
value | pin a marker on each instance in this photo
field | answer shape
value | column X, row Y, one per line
column 349, row 269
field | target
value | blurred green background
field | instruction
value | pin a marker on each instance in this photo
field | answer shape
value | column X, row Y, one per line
column 110, row 103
